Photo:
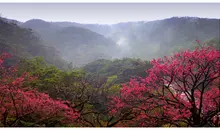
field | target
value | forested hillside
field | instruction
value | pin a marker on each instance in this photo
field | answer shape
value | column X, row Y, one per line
column 117, row 71
column 23, row 43
column 167, row 94
column 147, row 40
column 85, row 45
column 121, row 75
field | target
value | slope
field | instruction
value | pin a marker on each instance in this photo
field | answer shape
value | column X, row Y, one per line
column 77, row 45
column 22, row 43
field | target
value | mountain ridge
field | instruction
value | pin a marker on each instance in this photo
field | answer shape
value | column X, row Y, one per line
column 84, row 43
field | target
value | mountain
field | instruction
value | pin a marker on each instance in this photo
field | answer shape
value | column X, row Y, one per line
column 147, row 40
column 75, row 44
column 11, row 21
column 102, row 29
column 83, row 43
column 168, row 34
column 23, row 43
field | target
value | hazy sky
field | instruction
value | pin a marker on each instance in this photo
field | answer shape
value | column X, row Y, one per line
column 106, row 13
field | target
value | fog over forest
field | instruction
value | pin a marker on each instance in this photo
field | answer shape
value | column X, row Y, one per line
column 109, row 65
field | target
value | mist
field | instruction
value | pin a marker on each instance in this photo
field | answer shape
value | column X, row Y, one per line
column 142, row 31
column 90, row 65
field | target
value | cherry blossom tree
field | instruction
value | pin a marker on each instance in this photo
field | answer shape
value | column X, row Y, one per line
column 19, row 104
column 180, row 90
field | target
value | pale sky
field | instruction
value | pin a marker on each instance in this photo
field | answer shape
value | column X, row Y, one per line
column 106, row 13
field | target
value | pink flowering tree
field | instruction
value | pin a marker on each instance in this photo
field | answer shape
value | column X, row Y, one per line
column 180, row 90
column 18, row 104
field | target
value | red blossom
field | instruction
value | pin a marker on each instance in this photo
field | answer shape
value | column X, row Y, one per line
column 178, row 89
column 17, row 101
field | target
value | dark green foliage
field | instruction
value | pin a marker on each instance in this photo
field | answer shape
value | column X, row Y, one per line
column 122, row 69
column 47, row 76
